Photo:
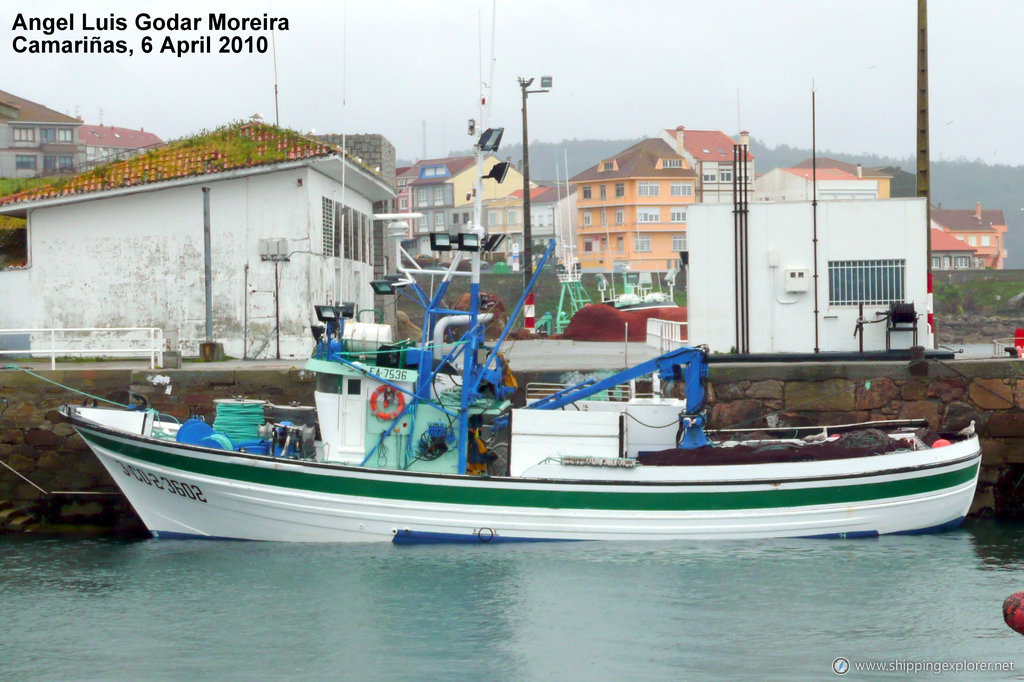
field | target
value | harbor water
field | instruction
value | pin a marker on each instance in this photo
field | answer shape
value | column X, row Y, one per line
column 78, row 609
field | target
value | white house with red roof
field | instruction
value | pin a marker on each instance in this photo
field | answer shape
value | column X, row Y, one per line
column 797, row 184
column 712, row 155
column 950, row 253
column 108, row 143
column 122, row 245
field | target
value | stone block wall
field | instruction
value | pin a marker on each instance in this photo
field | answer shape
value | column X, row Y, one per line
column 950, row 395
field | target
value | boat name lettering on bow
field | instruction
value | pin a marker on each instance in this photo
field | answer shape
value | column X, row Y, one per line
column 192, row 492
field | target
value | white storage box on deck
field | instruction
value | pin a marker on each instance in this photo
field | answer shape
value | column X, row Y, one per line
column 540, row 434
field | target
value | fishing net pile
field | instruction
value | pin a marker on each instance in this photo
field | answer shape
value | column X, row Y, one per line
column 861, row 443
column 600, row 322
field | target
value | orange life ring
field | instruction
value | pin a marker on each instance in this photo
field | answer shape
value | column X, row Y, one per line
column 389, row 398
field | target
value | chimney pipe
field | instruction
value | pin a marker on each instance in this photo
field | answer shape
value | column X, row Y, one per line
column 860, row 171
column 977, row 212
column 745, row 139
column 680, row 135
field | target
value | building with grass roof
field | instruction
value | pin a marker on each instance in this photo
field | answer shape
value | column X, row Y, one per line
column 122, row 245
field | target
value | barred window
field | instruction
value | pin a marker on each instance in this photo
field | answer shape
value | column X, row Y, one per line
column 872, row 282
column 327, row 210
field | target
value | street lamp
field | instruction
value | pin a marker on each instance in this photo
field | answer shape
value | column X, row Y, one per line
column 524, row 84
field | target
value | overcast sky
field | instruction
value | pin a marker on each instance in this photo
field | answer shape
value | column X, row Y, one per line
column 621, row 70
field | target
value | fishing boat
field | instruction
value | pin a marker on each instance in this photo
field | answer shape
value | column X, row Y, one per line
column 638, row 291
column 417, row 440
column 410, row 436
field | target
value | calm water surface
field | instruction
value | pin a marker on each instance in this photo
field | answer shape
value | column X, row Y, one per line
column 173, row 610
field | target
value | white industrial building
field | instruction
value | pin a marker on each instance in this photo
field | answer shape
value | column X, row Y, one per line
column 133, row 255
column 870, row 252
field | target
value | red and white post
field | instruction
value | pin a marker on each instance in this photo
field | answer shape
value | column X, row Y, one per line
column 529, row 314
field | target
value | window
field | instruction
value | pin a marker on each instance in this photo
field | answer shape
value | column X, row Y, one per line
column 25, row 135
column 620, row 216
column 25, row 161
column 678, row 215
column 985, row 241
column 725, row 175
column 972, row 240
column 439, row 196
column 47, row 135
column 403, row 203
column 327, row 227
column 962, row 262
column 512, row 217
column 64, row 162
column 643, row 243
column 586, row 218
column 586, row 192
column 353, row 386
column 604, row 218
column 608, row 165
column 49, row 163
column 647, row 189
column 648, row 215
column 439, row 221
column 672, row 163
column 936, row 262
column 679, row 241
column 455, row 219
column 422, row 197
column 873, row 282
column 620, row 244
column 492, row 218
column 604, row 191
column 710, row 176
column 588, row 246
column 682, row 189
column 620, row 189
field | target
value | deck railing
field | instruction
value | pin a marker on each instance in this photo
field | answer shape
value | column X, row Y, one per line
column 86, row 341
column 666, row 335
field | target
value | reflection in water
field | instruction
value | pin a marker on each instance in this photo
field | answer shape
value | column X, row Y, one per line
column 763, row 610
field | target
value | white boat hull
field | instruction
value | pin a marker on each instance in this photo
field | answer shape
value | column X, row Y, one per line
column 189, row 491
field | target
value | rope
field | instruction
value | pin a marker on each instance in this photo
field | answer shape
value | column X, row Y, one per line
column 67, row 388
column 75, row 390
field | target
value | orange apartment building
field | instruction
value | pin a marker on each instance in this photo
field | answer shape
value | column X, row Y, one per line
column 984, row 231
column 631, row 209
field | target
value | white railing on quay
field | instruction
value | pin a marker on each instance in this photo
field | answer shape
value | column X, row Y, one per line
column 89, row 341
column 666, row 335
column 1008, row 347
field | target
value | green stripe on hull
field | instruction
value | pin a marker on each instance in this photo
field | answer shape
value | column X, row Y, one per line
column 520, row 496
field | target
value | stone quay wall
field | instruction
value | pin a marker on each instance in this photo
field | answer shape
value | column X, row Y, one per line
column 41, row 447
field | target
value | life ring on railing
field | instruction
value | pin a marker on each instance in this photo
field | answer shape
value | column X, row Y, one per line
column 392, row 402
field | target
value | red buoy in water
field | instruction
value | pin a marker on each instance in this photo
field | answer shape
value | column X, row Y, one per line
column 1013, row 611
